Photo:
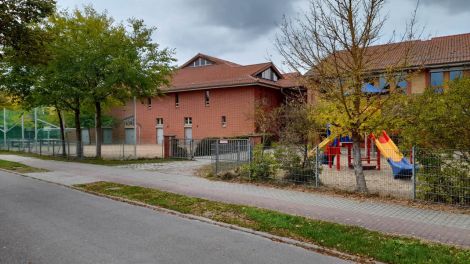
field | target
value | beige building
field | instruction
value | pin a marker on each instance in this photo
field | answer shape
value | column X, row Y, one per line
column 430, row 63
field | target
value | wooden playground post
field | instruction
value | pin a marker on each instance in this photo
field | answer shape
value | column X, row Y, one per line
column 349, row 155
column 330, row 159
column 378, row 158
column 338, row 155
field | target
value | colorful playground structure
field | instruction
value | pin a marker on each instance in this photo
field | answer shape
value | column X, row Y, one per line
column 384, row 146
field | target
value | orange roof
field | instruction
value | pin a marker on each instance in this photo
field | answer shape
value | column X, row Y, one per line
column 435, row 52
column 224, row 73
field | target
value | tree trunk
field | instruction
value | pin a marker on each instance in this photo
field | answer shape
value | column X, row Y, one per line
column 62, row 131
column 361, row 185
column 99, row 129
column 78, row 133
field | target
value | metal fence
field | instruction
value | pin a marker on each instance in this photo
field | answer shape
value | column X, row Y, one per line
column 443, row 176
column 437, row 176
column 46, row 147
column 53, row 147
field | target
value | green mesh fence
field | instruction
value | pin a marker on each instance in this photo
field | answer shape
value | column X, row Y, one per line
column 15, row 131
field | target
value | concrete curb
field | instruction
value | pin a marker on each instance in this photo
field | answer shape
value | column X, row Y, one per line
column 284, row 240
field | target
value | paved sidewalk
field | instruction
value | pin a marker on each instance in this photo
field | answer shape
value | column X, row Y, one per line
column 426, row 224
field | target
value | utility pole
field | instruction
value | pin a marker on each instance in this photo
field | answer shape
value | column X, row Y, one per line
column 135, row 128
column 22, row 126
column 5, row 129
column 35, row 124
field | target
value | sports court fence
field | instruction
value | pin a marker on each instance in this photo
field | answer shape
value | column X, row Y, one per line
column 69, row 149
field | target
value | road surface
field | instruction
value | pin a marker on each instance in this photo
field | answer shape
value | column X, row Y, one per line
column 46, row 223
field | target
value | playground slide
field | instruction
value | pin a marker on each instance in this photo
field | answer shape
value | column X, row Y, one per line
column 323, row 144
column 401, row 167
column 326, row 141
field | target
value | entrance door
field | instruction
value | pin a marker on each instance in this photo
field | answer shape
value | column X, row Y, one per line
column 160, row 135
column 188, row 133
column 85, row 136
column 107, row 135
column 130, row 137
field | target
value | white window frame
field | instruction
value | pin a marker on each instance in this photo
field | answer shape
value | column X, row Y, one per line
column 188, row 122
column 207, row 98
column 223, row 120
column 158, row 123
column 177, row 100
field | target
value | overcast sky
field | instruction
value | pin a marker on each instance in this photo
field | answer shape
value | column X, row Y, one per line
column 243, row 30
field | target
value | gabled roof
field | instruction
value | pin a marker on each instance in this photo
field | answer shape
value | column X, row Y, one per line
column 435, row 52
column 209, row 58
column 224, row 74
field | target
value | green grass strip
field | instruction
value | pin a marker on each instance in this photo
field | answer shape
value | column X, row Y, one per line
column 18, row 167
column 349, row 239
column 90, row 160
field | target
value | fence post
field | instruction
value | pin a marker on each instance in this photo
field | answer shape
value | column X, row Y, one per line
column 191, row 143
column 40, row 147
column 53, row 147
column 238, row 151
column 216, row 157
column 316, row 166
column 413, row 154
column 249, row 159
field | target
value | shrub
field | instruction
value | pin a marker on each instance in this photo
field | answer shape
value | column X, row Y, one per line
column 262, row 166
column 443, row 177
column 298, row 167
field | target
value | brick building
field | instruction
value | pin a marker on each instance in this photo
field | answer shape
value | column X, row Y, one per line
column 208, row 97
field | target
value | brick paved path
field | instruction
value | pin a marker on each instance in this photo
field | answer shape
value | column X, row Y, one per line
column 426, row 224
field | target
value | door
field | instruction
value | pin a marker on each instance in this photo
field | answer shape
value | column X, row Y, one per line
column 107, row 135
column 160, row 135
column 130, row 136
column 188, row 133
column 85, row 136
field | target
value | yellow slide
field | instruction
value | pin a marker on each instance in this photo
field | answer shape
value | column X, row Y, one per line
column 326, row 141
column 388, row 148
column 401, row 167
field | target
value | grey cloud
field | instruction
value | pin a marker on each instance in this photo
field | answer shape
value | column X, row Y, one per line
column 254, row 17
column 451, row 6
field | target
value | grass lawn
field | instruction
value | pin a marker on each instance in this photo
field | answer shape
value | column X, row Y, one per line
column 349, row 239
column 90, row 160
column 18, row 167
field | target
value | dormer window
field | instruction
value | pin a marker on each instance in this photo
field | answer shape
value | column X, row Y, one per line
column 268, row 74
column 199, row 62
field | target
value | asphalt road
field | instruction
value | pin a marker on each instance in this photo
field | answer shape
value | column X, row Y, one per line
column 47, row 223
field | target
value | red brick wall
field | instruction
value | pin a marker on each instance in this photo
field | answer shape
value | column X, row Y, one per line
column 237, row 104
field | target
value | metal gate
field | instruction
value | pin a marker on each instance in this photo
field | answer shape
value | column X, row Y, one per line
column 230, row 150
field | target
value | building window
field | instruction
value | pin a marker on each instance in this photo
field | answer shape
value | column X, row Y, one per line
column 455, row 75
column 149, row 102
column 383, row 83
column 188, row 121
column 207, row 98
column 224, row 121
column 129, row 122
column 268, row 74
column 159, row 122
column 177, row 99
column 401, row 83
column 437, row 81
column 200, row 62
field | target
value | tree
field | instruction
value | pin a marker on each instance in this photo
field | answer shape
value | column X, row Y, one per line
column 17, row 30
column 435, row 120
column 107, row 61
column 333, row 43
